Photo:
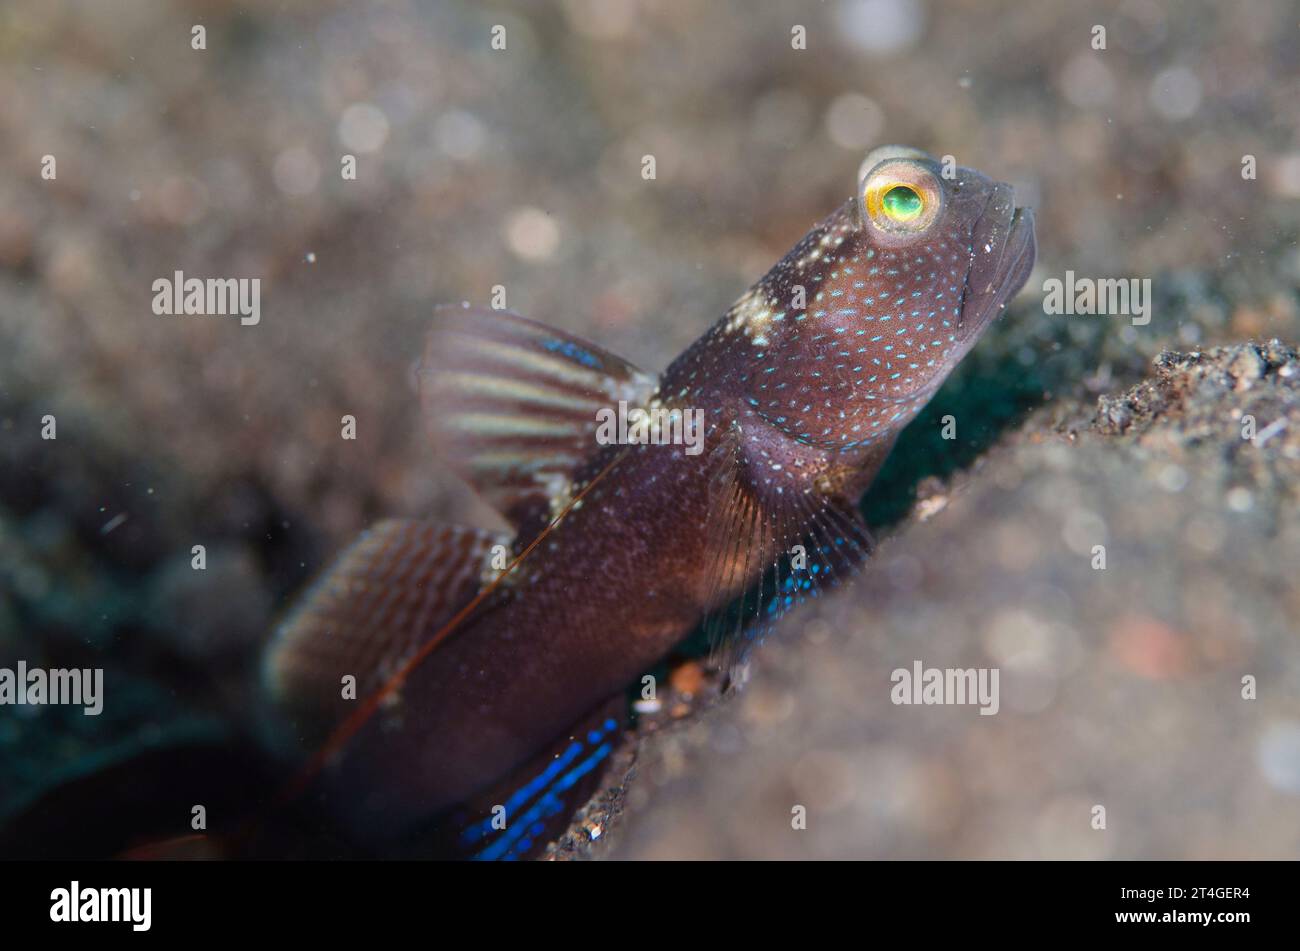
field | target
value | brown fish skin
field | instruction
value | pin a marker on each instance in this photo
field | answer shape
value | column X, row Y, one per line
column 801, row 407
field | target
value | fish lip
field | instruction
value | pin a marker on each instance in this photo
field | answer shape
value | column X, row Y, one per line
column 1024, row 243
column 1003, row 249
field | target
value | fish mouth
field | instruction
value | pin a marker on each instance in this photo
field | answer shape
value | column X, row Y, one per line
column 1002, row 249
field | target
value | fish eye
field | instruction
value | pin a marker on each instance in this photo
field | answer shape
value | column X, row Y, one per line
column 901, row 197
column 902, row 203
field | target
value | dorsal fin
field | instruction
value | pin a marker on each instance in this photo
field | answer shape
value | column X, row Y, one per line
column 510, row 404
column 369, row 612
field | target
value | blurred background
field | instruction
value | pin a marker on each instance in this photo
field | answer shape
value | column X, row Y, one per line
column 522, row 168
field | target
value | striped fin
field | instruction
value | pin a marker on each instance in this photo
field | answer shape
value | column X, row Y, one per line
column 511, row 404
column 369, row 613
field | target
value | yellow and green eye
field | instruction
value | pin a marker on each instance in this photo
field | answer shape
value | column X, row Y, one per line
column 900, row 196
column 902, row 203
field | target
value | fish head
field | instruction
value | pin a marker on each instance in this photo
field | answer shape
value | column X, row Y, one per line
column 864, row 319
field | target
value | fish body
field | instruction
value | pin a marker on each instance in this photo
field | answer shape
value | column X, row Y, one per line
column 621, row 550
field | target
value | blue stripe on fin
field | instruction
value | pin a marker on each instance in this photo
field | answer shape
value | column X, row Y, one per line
column 540, row 798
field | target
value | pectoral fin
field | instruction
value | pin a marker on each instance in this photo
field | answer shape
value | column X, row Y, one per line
column 795, row 545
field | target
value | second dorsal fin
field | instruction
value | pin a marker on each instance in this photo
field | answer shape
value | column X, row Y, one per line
column 511, row 404
column 371, row 611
